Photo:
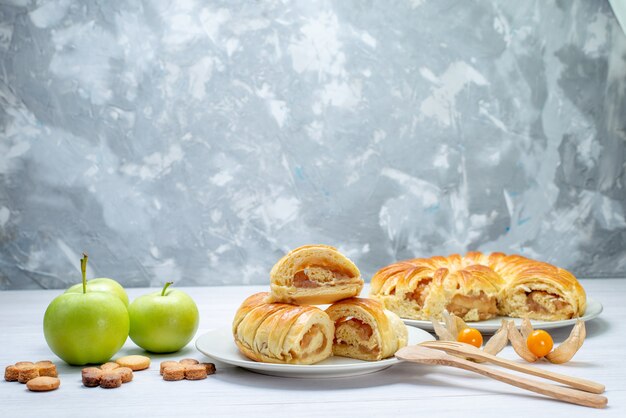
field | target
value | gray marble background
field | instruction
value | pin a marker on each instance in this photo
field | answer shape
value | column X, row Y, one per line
column 197, row 141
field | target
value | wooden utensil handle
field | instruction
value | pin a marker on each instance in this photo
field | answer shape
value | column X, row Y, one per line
column 557, row 392
column 575, row 382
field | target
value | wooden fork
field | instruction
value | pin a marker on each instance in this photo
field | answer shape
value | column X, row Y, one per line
column 424, row 355
column 466, row 350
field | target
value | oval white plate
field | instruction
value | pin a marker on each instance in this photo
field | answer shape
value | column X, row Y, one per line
column 219, row 344
column 594, row 308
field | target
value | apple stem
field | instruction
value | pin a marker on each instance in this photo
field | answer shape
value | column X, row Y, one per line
column 83, row 270
column 165, row 287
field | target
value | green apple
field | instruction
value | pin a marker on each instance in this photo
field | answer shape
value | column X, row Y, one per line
column 87, row 327
column 102, row 285
column 163, row 322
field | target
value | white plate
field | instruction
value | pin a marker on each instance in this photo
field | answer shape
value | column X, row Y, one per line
column 219, row 344
column 594, row 308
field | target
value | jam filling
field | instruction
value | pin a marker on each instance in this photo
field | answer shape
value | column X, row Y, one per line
column 534, row 304
column 420, row 293
column 486, row 306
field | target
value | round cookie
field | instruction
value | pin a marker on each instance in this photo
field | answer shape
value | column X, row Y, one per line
column 19, row 364
column 91, row 376
column 125, row 373
column 174, row 372
column 134, row 362
column 11, row 373
column 168, row 363
column 111, row 365
column 46, row 368
column 110, row 380
column 43, row 384
column 195, row 372
column 210, row 367
column 189, row 362
column 27, row 372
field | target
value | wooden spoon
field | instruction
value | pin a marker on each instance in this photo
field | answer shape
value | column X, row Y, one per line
column 466, row 350
column 423, row 355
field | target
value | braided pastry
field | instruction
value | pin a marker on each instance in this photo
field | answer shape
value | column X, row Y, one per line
column 478, row 287
column 282, row 333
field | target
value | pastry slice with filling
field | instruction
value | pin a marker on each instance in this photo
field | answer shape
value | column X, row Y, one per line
column 471, row 294
column 543, row 291
column 405, row 288
column 365, row 330
column 314, row 275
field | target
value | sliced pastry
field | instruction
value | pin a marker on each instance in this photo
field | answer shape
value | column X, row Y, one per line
column 424, row 290
column 542, row 291
column 282, row 333
column 406, row 288
column 470, row 293
column 314, row 274
column 365, row 330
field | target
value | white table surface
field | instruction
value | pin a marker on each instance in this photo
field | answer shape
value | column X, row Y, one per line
column 402, row 390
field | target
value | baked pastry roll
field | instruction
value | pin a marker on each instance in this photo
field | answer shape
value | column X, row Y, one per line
column 315, row 275
column 365, row 330
column 542, row 291
column 479, row 286
column 282, row 333
column 424, row 290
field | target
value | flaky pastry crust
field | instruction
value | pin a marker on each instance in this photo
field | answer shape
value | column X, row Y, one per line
column 365, row 330
column 282, row 333
column 314, row 275
column 479, row 286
